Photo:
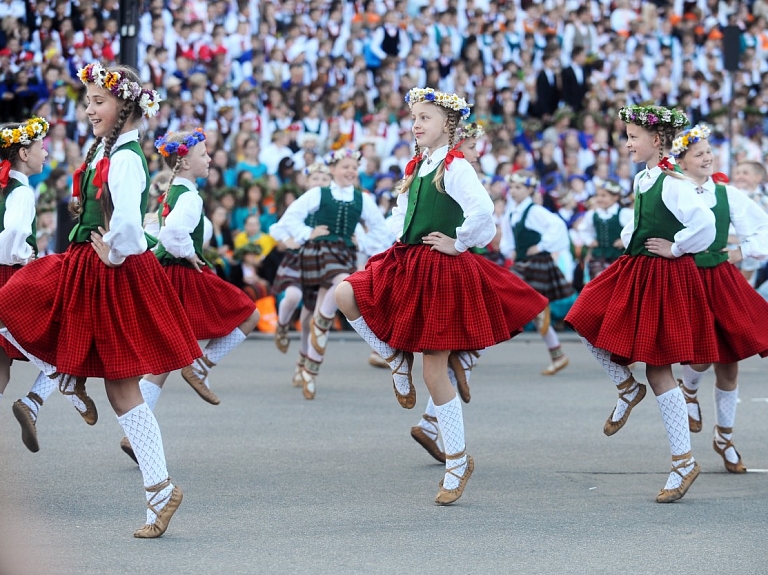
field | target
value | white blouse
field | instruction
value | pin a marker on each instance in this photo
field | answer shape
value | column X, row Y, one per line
column 182, row 221
column 686, row 205
column 553, row 230
column 17, row 223
column 584, row 231
column 461, row 184
column 126, row 184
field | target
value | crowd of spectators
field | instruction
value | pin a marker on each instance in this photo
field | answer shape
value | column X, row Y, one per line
column 277, row 84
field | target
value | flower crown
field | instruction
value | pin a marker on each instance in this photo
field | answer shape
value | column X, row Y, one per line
column 473, row 130
column 30, row 131
column 527, row 181
column 684, row 140
column 610, row 186
column 121, row 87
column 181, row 148
column 340, row 154
column 317, row 167
column 648, row 116
column 450, row 101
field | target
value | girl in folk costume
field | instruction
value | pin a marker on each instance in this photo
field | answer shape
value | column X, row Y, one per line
column 350, row 130
column 429, row 293
column 104, row 308
column 651, row 304
column 22, row 155
column 288, row 279
column 599, row 229
column 741, row 314
column 328, row 252
column 531, row 234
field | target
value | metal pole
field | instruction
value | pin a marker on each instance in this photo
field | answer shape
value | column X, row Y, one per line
column 129, row 33
column 731, row 151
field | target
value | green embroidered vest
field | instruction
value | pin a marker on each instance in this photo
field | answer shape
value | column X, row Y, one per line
column 92, row 216
column 13, row 183
column 652, row 220
column 340, row 217
column 524, row 237
column 714, row 254
column 607, row 232
column 197, row 234
column 429, row 210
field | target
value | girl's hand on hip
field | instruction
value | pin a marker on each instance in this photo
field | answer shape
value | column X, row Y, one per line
column 660, row 247
column 441, row 243
column 101, row 247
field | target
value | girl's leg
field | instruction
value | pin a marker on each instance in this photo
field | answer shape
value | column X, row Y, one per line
column 726, row 399
column 458, row 465
column 675, row 416
column 285, row 311
column 558, row 359
column 150, row 386
column 142, row 430
column 630, row 391
column 690, row 386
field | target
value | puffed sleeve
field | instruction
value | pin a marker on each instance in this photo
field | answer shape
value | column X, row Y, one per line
column 396, row 220
column 180, row 223
column 507, row 244
column 378, row 236
column 291, row 224
column 463, row 185
column 750, row 223
column 17, row 223
column 699, row 221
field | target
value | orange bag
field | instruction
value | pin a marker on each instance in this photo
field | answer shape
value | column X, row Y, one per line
column 268, row 312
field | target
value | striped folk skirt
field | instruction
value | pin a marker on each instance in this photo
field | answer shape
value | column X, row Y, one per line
column 542, row 274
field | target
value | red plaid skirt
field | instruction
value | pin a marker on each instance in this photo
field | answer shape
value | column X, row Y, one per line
column 648, row 309
column 741, row 314
column 10, row 350
column 214, row 307
column 90, row 320
column 416, row 299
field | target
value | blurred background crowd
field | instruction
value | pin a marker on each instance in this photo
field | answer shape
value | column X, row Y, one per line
column 278, row 84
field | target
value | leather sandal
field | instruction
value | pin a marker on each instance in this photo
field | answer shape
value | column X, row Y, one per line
column 297, row 380
column 405, row 361
column 90, row 415
column 625, row 389
column 318, row 332
column 172, row 502
column 460, row 371
column 737, row 467
column 679, row 462
column 427, row 438
column 27, row 420
column 195, row 375
column 281, row 338
column 377, row 361
column 309, row 372
column 125, row 445
column 556, row 365
column 448, row 496
column 691, row 398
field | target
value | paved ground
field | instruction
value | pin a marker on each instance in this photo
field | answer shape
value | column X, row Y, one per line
column 276, row 484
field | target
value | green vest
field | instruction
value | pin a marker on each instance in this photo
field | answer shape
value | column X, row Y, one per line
column 524, row 237
column 652, row 220
column 92, row 216
column 197, row 234
column 340, row 217
column 429, row 210
column 714, row 254
column 607, row 232
column 13, row 183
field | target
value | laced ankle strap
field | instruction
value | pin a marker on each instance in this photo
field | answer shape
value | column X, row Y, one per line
column 724, row 430
column 206, row 361
column 64, row 384
column 690, row 394
column 454, row 457
column 323, row 323
column 153, row 501
column 433, row 422
column 680, row 462
column 311, row 366
column 626, row 388
column 35, row 398
column 403, row 359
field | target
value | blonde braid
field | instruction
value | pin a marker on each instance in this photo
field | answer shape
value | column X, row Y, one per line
column 107, row 207
column 174, row 171
column 75, row 206
column 404, row 185
column 452, row 122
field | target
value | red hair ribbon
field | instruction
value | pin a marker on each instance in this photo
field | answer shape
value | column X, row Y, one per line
column 76, row 181
column 5, row 173
column 101, row 176
column 720, row 178
column 411, row 165
column 665, row 164
column 166, row 207
column 454, row 153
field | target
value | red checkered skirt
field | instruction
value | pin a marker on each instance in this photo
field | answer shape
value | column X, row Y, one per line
column 647, row 309
column 10, row 350
column 90, row 320
column 416, row 299
column 741, row 314
column 214, row 307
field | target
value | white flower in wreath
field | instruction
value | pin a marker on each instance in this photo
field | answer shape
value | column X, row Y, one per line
column 149, row 104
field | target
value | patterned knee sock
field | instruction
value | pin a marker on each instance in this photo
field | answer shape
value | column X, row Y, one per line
column 429, row 411
column 46, row 368
column 691, row 381
column 150, row 392
column 221, row 346
column 725, row 413
column 43, row 387
column 141, row 428
column 618, row 374
column 675, row 417
column 451, row 422
column 385, row 351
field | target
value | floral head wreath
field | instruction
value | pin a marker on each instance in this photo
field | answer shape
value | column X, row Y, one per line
column 181, row 148
column 121, row 87
column 30, row 131
column 340, row 154
column 315, row 168
column 473, row 130
column 527, row 181
column 610, row 186
column 649, row 116
column 450, row 101
column 684, row 140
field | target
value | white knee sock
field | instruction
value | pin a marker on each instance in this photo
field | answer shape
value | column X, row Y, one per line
column 691, row 381
column 141, row 428
column 384, row 350
column 46, row 368
column 551, row 339
column 288, row 304
column 451, row 422
column 221, row 346
column 725, row 413
column 44, row 387
column 618, row 374
column 306, row 317
column 675, row 417
column 150, row 392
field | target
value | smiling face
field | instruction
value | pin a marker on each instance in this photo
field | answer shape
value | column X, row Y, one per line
column 429, row 125
column 344, row 172
column 103, row 110
column 32, row 158
column 698, row 161
column 643, row 146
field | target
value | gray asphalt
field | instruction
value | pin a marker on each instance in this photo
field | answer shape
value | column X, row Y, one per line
column 277, row 484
